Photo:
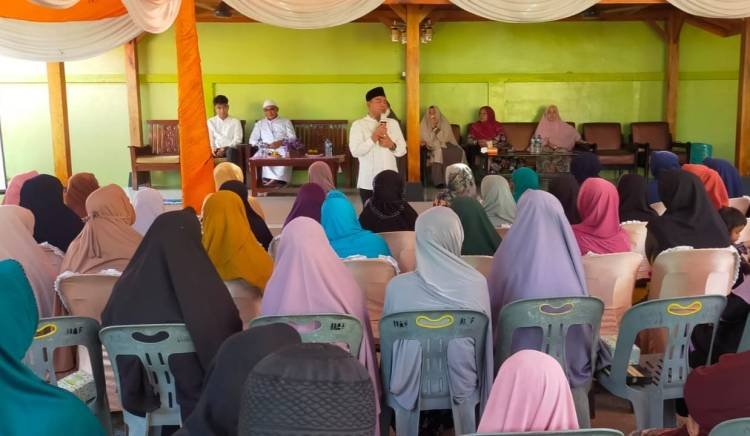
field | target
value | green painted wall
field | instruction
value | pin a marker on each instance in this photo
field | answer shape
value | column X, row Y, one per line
column 592, row 71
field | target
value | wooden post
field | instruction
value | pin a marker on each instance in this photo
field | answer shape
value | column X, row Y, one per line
column 414, row 16
column 134, row 94
column 673, row 28
column 58, row 111
column 742, row 147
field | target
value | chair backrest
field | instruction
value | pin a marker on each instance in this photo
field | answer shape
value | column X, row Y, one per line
column 247, row 298
column 740, row 203
column 683, row 273
column 332, row 328
column 554, row 316
column 582, row 432
column 678, row 316
column 86, row 294
column 611, row 278
column 69, row 331
column 483, row 264
column 152, row 344
column 606, row 136
column 312, row 133
column 519, row 134
column 733, row 427
column 654, row 133
column 273, row 246
column 637, row 232
column 434, row 329
column 502, row 231
column 402, row 248
column 372, row 276
column 658, row 207
column 164, row 136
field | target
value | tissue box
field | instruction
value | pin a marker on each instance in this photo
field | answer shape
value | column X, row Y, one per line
column 611, row 341
column 81, row 384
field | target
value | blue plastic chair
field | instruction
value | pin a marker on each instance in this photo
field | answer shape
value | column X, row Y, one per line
column 333, row 328
column 733, row 427
column 434, row 329
column 653, row 403
column 164, row 340
column 583, row 432
column 745, row 341
column 554, row 317
column 69, row 331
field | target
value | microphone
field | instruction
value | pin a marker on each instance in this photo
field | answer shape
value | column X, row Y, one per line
column 383, row 119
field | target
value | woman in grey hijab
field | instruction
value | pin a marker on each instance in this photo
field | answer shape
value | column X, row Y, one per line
column 498, row 200
column 436, row 134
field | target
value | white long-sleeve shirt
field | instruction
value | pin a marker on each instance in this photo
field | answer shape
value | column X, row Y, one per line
column 372, row 157
column 269, row 131
column 224, row 133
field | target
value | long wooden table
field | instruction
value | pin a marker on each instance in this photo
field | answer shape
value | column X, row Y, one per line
column 255, row 167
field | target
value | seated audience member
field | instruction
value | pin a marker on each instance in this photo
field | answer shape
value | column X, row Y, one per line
column 459, row 180
column 227, row 171
column 713, row 394
column 599, row 231
column 257, row 225
column 524, row 179
column 717, row 192
column 218, row 409
column 230, row 244
column 108, row 240
column 436, row 134
column 632, row 189
column 690, row 218
column 661, row 161
column 345, row 233
column 565, row 188
column 171, row 280
column 272, row 130
column 729, row 175
column 224, row 132
column 386, row 210
column 80, row 186
column 148, row 204
column 556, row 133
column 498, row 200
column 320, row 174
column 55, row 223
column 585, row 165
column 30, row 405
column 442, row 281
column 308, row 202
column 13, row 191
column 480, row 236
column 18, row 243
column 309, row 278
column 487, row 129
column 308, row 389
column 531, row 393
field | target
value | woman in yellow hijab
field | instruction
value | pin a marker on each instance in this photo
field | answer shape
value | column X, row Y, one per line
column 230, row 244
column 227, row 171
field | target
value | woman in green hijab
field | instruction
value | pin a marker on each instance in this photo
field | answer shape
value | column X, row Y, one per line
column 524, row 179
column 480, row 236
column 29, row 406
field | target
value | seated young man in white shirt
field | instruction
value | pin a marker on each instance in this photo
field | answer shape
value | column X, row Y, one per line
column 224, row 132
column 376, row 141
column 272, row 131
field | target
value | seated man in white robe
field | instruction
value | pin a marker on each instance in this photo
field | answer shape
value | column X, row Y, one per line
column 272, row 131
column 224, row 132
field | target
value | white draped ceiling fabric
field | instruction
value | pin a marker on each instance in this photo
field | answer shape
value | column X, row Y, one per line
column 72, row 40
column 524, row 11
column 714, row 8
column 304, row 14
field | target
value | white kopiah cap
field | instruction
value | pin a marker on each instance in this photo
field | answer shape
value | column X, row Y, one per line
column 269, row 103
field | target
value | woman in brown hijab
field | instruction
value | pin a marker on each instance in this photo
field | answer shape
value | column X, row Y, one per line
column 80, row 186
column 320, row 174
column 108, row 239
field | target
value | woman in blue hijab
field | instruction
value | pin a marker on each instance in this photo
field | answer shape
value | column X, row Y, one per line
column 660, row 162
column 728, row 174
column 344, row 231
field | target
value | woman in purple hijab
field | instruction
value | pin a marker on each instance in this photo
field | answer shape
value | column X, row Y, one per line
column 308, row 202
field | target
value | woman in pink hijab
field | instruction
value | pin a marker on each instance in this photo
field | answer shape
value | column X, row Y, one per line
column 13, row 193
column 531, row 393
column 556, row 133
column 599, row 231
column 320, row 174
column 309, row 278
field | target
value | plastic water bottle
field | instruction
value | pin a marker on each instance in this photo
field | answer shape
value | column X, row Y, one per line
column 328, row 145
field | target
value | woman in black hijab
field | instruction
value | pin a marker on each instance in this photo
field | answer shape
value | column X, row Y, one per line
column 54, row 222
column 170, row 279
column 257, row 225
column 690, row 218
column 633, row 206
column 565, row 188
column 585, row 165
column 387, row 211
column 219, row 407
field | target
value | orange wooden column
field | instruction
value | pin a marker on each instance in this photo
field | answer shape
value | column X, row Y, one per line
column 413, row 18
column 135, row 124
column 673, row 28
column 742, row 146
column 58, row 111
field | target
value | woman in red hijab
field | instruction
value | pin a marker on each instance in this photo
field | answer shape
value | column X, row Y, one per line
column 486, row 129
column 715, row 188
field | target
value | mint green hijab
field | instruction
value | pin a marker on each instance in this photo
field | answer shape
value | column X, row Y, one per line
column 30, row 406
column 524, row 179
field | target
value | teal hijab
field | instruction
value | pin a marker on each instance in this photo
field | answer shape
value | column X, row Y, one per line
column 29, row 405
column 344, row 232
column 480, row 236
column 524, row 179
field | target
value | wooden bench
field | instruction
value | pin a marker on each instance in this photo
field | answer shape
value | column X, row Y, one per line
column 312, row 133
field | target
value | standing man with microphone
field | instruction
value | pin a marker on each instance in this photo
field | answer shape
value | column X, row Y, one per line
column 376, row 141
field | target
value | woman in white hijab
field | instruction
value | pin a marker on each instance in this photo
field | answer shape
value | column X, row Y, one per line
column 437, row 136
column 498, row 200
column 148, row 204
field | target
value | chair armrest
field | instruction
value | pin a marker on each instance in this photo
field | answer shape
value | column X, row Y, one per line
column 634, row 148
column 585, row 146
column 143, row 150
column 681, row 145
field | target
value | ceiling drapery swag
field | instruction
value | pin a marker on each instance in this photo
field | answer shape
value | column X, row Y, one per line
column 304, row 14
column 56, row 4
column 714, row 8
column 524, row 11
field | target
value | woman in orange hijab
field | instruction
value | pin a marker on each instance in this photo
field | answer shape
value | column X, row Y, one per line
column 80, row 186
column 715, row 188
